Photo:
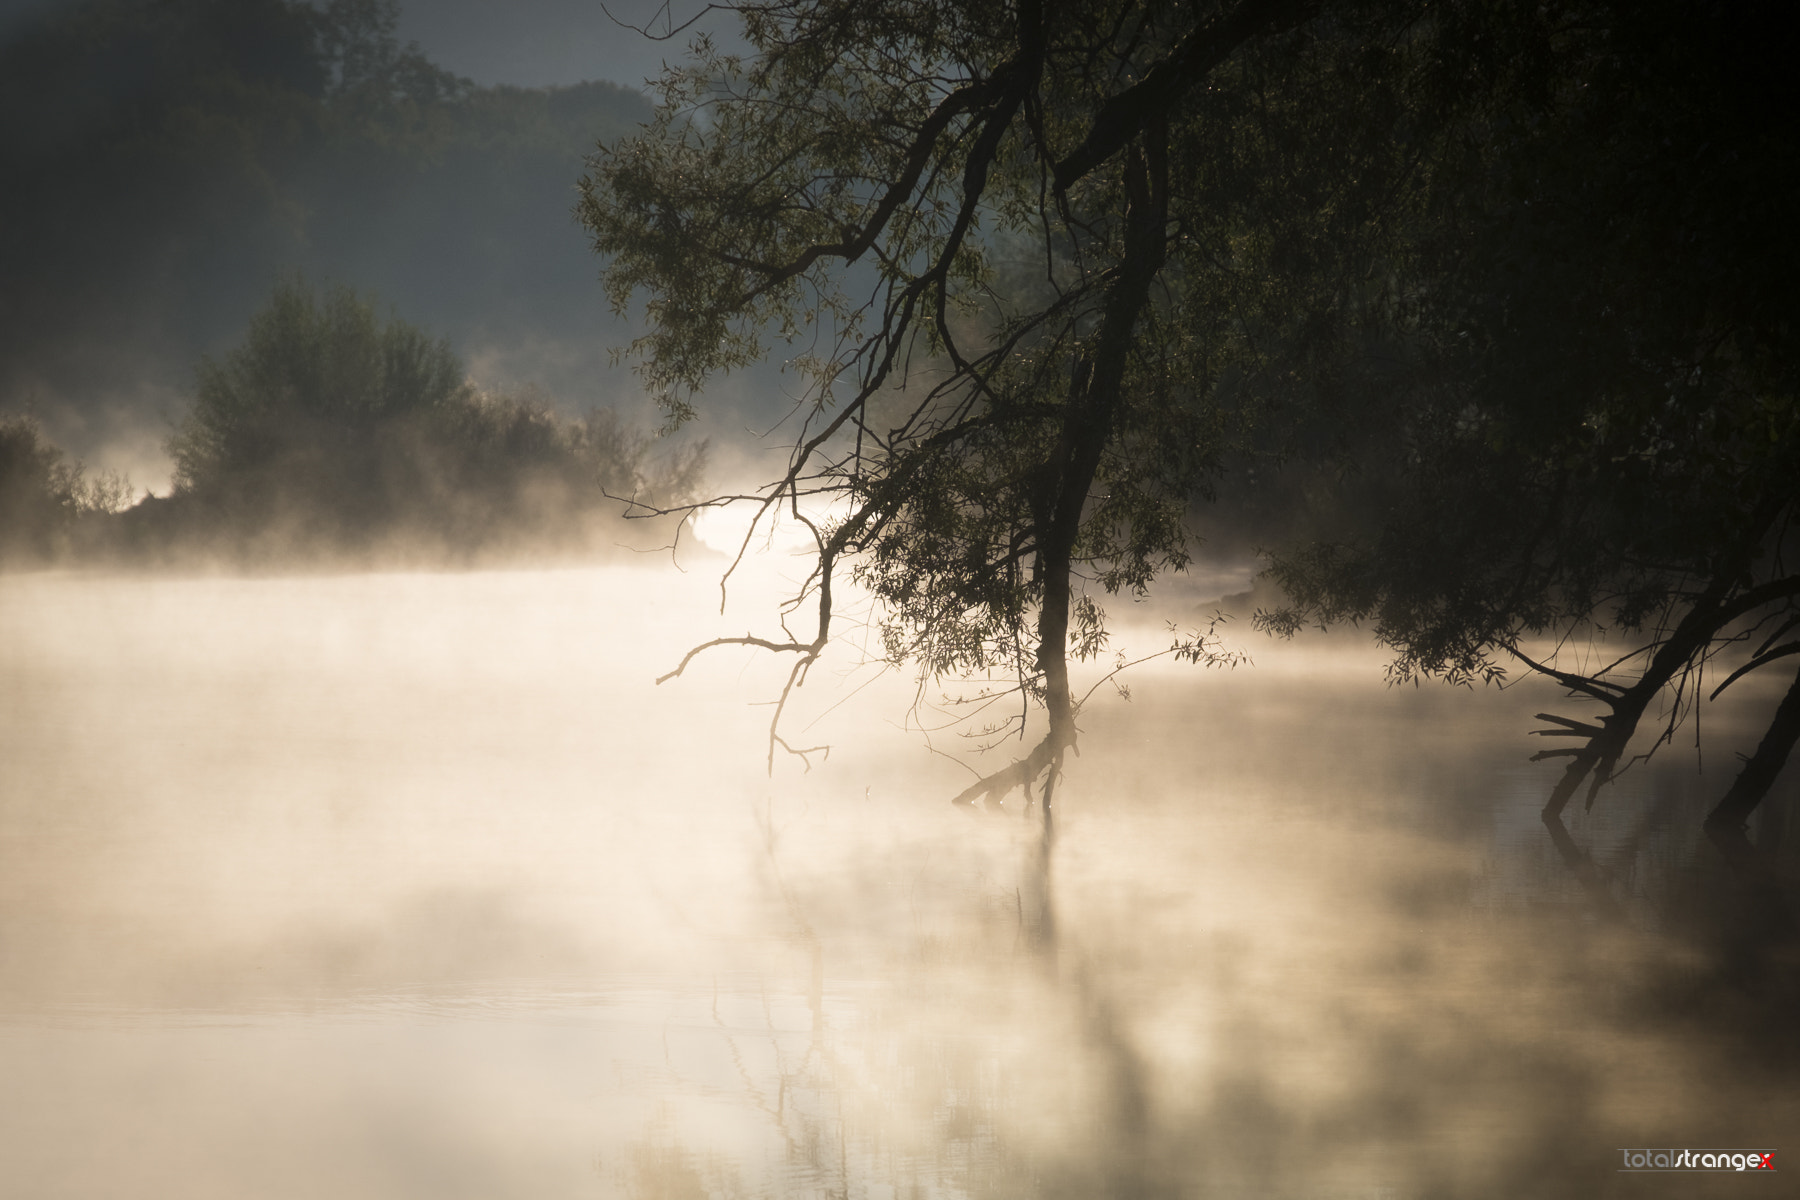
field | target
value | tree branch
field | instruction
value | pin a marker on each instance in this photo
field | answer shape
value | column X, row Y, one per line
column 1127, row 114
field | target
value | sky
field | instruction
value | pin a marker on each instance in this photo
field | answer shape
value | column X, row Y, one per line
column 528, row 43
column 536, row 43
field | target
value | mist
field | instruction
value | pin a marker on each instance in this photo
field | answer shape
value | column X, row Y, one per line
column 369, row 828
column 429, row 866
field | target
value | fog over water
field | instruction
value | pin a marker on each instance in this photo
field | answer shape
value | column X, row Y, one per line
column 325, row 879
column 416, row 885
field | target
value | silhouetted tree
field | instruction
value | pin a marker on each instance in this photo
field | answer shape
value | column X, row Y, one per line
column 1529, row 268
column 1053, row 266
column 37, row 492
column 1593, row 420
column 308, row 404
column 47, row 503
column 332, row 430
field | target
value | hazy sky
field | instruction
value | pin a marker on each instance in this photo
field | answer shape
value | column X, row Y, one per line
column 531, row 43
column 534, row 43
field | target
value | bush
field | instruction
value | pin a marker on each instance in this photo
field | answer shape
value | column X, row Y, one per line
column 304, row 395
column 48, row 505
column 333, row 431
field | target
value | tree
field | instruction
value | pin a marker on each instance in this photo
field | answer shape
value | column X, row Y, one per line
column 1596, row 427
column 48, row 505
column 38, row 493
column 1523, row 274
column 332, row 430
column 304, row 402
column 1062, row 261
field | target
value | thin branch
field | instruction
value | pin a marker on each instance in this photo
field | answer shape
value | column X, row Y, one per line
column 746, row 640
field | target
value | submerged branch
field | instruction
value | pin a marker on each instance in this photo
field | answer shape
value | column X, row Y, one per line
column 990, row 789
column 746, row 640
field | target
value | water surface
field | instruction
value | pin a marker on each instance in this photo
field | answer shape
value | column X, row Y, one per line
column 416, row 885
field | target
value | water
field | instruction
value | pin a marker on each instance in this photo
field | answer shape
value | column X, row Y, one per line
column 416, row 885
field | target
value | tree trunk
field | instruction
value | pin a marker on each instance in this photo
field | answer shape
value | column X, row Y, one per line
column 1088, row 424
column 1759, row 773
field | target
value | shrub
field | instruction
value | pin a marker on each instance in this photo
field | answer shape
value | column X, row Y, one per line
column 47, row 503
column 333, row 431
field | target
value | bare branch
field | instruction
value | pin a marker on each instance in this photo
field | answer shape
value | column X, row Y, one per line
column 746, row 640
column 1761, row 660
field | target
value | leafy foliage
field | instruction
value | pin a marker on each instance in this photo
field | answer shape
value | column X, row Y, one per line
column 1601, row 393
column 47, row 503
column 333, row 431
column 1046, row 268
column 1521, row 276
column 1596, row 424
column 311, row 378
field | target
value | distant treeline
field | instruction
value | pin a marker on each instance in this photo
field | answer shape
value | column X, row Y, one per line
column 49, row 507
column 331, row 435
column 167, row 160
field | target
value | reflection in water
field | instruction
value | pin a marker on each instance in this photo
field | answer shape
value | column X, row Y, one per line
column 414, row 886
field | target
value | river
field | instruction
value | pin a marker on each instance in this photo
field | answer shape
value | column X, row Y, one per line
column 417, row 885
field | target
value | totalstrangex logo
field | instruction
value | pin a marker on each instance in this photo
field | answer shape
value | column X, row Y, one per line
column 1698, row 1160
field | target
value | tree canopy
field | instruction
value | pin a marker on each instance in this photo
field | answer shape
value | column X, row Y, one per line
column 48, row 505
column 333, row 430
column 1049, row 260
column 1052, row 271
column 1596, row 433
